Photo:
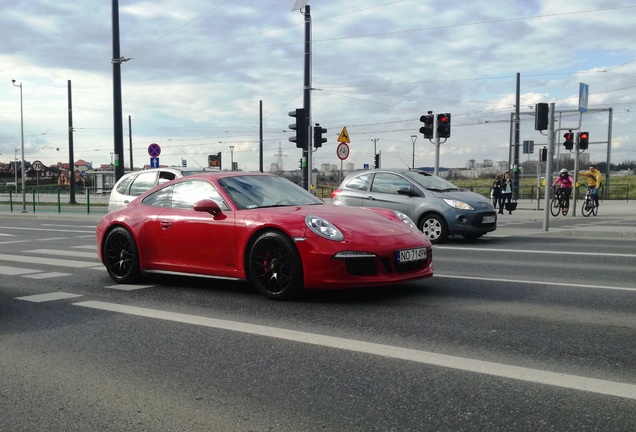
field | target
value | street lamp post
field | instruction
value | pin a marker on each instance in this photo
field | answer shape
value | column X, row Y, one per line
column 413, row 139
column 232, row 158
column 15, row 167
column 22, row 166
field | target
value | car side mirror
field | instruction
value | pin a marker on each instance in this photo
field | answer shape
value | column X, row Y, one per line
column 407, row 191
column 208, row 206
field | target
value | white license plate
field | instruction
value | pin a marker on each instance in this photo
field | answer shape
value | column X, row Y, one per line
column 489, row 219
column 408, row 255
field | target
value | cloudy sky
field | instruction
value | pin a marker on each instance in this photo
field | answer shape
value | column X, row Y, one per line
column 199, row 69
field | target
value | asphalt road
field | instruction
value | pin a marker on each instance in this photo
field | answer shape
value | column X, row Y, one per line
column 521, row 330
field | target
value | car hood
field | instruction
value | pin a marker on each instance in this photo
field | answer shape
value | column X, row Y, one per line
column 476, row 200
column 350, row 220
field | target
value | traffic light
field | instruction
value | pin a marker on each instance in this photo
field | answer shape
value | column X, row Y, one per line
column 443, row 125
column 584, row 140
column 541, row 116
column 300, row 127
column 377, row 161
column 427, row 129
column 569, row 140
column 318, row 139
column 544, row 154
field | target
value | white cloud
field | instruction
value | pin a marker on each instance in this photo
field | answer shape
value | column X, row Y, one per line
column 198, row 72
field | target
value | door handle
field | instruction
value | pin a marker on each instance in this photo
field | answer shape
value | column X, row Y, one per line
column 166, row 224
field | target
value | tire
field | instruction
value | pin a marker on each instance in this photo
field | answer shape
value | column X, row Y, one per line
column 274, row 266
column 565, row 210
column 434, row 227
column 121, row 256
column 587, row 208
column 555, row 207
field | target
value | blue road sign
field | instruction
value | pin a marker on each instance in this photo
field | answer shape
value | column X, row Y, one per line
column 154, row 150
column 154, row 162
column 584, row 91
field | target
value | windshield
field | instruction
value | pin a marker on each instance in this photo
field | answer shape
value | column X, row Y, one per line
column 430, row 181
column 257, row 191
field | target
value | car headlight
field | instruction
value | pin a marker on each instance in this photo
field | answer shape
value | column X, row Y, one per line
column 458, row 204
column 404, row 218
column 323, row 228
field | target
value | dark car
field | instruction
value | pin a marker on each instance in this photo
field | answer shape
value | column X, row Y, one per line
column 438, row 207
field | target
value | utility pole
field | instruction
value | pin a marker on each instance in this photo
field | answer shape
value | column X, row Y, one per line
column 515, row 168
column 130, row 142
column 118, row 128
column 71, row 161
column 307, row 100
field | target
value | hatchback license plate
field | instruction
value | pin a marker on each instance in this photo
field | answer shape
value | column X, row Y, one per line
column 408, row 255
column 489, row 219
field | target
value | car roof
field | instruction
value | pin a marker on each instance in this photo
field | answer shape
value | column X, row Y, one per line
column 390, row 170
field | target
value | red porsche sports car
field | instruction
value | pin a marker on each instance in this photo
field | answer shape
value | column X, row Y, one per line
column 261, row 228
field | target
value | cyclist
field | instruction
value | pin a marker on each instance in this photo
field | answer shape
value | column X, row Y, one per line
column 593, row 181
column 566, row 182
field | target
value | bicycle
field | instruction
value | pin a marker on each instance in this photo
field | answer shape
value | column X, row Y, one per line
column 559, row 204
column 588, row 204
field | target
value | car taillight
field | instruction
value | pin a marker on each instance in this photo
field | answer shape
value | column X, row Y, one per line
column 335, row 192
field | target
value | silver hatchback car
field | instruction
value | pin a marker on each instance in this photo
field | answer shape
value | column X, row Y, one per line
column 438, row 207
column 134, row 183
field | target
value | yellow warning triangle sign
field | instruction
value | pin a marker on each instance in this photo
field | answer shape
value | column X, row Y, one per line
column 344, row 136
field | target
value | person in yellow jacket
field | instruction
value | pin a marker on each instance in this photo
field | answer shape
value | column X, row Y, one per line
column 593, row 181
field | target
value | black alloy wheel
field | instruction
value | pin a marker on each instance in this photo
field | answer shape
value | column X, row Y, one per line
column 274, row 266
column 121, row 256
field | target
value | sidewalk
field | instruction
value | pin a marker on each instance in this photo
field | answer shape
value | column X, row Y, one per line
column 616, row 219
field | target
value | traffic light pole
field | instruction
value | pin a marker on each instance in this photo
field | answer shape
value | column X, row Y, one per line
column 308, row 148
column 548, row 169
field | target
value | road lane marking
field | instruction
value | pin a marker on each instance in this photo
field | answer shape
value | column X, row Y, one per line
column 128, row 287
column 574, row 285
column 47, row 261
column 39, row 298
column 541, row 252
column 65, row 252
column 45, row 229
column 14, row 271
column 612, row 388
column 47, row 275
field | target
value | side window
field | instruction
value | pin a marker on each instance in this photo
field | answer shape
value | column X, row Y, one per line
column 144, row 182
column 359, row 183
column 161, row 198
column 388, row 183
column 166, row 176
column 122, row 187
column 187, row 193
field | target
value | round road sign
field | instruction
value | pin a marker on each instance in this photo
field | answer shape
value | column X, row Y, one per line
column 154, row 150
column 37, row 165
column 342, row 151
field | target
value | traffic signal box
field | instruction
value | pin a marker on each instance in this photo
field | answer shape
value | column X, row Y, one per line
column 427, row 129
column 443, row 125
column 541, row 116
column 377, row 161
column 584, row 140
column 569, row 140
column 318, row 133
column 300, row 127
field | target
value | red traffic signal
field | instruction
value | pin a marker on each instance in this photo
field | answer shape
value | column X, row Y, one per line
column 443, row 125
column 584, row 140
column 569, row 140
